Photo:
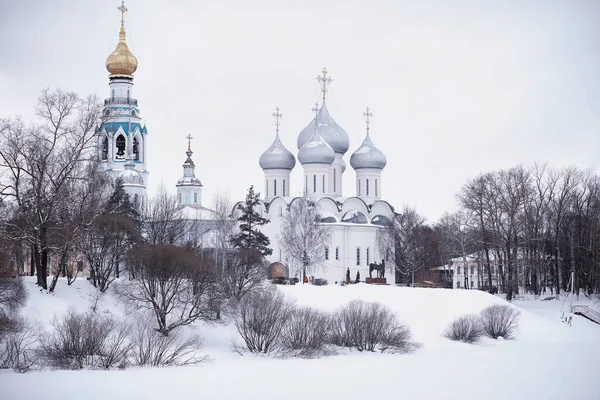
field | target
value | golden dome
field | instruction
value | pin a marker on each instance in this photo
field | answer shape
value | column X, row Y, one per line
column 121, row 61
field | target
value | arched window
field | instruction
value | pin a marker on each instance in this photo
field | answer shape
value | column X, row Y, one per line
column 368, row 256
column 179, row 197
column 136, row 149
column 283, row 188
column 274, row 187
column 195, row 197
column 358, row 256
column 323, row 183
column 337, row 253
column 135, row 201
column 314, row 184
column 112, row 94
column 120, row 147
column 306, row 183
column 280, row 211
column 105, row 148
column 367, row 187
column 267, row 186
column 359, row 187
column 376, row 187
column 327, row 253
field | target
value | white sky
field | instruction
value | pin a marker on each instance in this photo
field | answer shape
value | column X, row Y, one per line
column 455, row 90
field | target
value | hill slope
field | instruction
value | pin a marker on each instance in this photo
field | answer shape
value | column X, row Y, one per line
column 548, row 359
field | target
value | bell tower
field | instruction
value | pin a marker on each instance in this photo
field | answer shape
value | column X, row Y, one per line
column 122, row 133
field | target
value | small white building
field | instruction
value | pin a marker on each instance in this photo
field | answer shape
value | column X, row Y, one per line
column 470, row 273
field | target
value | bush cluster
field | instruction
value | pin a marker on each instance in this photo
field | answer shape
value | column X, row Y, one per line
column 497, row 321
column 269, row 323
column 84, row 339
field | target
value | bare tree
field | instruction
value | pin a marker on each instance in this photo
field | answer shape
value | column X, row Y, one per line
column 225, row 228
column 303, row 238
column 411, row 241
column 163, row 222
column 244, row 271
column 41, row 160
column 173, row 283
column 458, row 235
column 106, row 244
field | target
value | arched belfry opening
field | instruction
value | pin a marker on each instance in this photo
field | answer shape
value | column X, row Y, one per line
column 136, row 149
column 120, row 143
column 105, row 148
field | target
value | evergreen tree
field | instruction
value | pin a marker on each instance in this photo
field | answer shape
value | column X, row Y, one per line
column 119, row 202
column 250, row 238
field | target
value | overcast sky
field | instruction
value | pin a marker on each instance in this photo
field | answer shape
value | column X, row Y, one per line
column 455, row 90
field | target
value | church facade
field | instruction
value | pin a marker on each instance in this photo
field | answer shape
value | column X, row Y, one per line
column 353, row 221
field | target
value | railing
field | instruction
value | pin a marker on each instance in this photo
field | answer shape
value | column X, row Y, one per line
column 586, row 312
column 120, row 100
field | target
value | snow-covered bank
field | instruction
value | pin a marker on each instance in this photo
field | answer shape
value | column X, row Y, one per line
column 548, row 360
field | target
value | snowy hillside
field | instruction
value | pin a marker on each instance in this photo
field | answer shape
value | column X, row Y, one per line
column 548, row 359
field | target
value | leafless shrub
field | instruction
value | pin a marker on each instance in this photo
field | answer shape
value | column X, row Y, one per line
column 117, row 347
column 369, row 326
column 151, row 348
column 81, row 339
column 306, row 333
column 500, row 321
column 17, row 347
column 13, row 294
column 466, row 329
column 260, row 319
column 173, row 283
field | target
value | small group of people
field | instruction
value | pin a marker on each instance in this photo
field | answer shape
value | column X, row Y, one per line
column 567, row 320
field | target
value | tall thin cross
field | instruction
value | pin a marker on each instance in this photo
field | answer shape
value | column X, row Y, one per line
column 325, row 81
column 277, row 116
column 315, row 109
column 368, row 114
column 123, row 10
column 189, row 138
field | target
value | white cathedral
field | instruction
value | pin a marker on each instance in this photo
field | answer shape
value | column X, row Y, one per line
column 322, row 145
column 353, row 220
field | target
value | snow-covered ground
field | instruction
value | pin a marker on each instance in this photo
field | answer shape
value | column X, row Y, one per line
column 548, row 360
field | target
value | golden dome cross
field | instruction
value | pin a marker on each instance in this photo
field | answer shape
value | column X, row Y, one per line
column 189, row 138
column 325, row 81
column 123, row 10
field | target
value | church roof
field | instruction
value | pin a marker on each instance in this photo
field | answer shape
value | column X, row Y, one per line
column 368, row 156
column 277, row 156
column 316, row 150
column 130, row 176
column 332, row 133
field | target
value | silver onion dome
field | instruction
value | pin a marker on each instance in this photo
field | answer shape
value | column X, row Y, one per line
column 316, row 150
column 368, row 156
column 333, row 134
column 277, row 156
column 130, row 176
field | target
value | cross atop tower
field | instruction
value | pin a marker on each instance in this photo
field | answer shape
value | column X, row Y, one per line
column 277, row 116
column 368, row 114
column 189, row 138
column 325, row 81
column 123, row 10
